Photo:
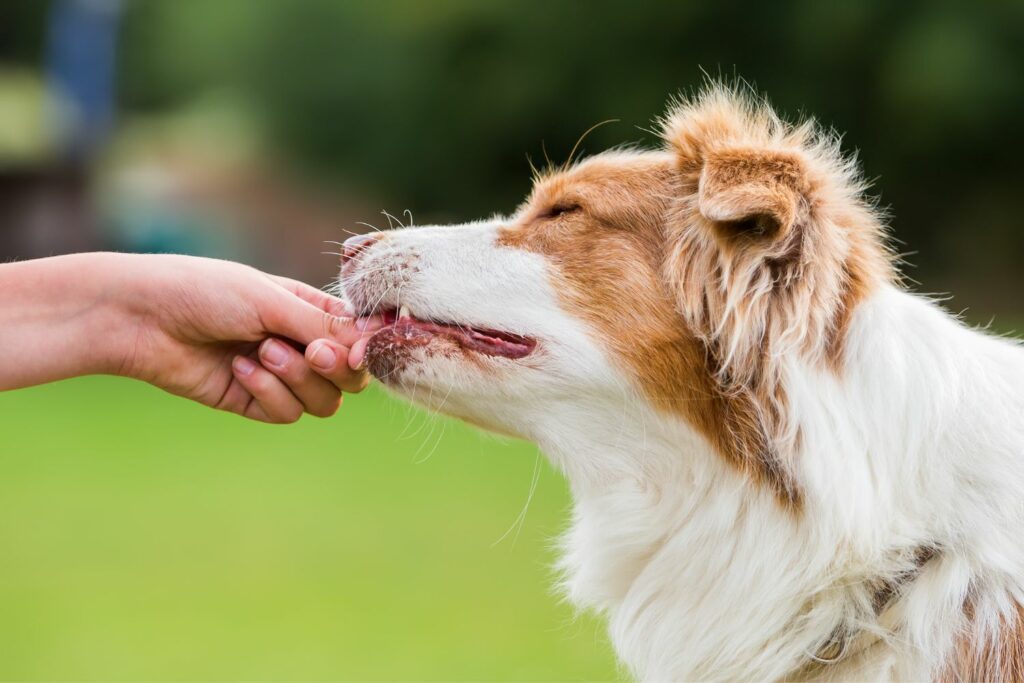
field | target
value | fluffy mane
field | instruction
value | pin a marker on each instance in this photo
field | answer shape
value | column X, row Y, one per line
column 772, row 246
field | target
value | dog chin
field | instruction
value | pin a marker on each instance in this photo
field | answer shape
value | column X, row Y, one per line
column 432, row 373
column 390, row 356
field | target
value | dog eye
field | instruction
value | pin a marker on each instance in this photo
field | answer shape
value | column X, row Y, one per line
column 560, row 210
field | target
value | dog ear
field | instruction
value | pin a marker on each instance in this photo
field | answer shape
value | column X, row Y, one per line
column 752, row 195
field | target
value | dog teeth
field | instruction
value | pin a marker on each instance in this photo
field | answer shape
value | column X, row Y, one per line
column 403, row 312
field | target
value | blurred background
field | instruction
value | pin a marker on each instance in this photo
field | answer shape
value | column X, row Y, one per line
column 145, row 539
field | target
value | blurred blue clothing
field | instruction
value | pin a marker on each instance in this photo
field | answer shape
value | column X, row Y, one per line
column 82, row 65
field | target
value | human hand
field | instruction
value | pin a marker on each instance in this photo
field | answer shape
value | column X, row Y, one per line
column 231, row 337
column 195, row 327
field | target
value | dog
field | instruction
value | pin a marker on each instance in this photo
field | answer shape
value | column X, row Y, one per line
column 783, row 464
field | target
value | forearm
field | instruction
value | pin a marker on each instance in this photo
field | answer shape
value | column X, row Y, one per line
column 60, row 317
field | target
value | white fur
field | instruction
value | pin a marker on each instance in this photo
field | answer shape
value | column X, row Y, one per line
column 701, row 573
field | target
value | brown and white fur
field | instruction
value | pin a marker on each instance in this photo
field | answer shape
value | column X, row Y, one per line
column 784, row 466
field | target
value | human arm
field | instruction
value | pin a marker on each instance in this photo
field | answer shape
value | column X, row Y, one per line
column 191, row 326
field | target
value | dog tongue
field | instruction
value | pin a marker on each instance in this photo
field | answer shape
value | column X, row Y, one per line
column 405, row 329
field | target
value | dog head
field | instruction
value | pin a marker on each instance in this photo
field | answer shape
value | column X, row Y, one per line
column 685, row 278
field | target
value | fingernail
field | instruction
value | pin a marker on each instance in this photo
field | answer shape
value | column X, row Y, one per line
column 357, row 358
column 274, row 353
column 323, row 357
column 243, row 366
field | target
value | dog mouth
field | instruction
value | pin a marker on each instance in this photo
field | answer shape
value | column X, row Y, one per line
column 401, row 330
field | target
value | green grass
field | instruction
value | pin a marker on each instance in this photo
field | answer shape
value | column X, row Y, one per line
column 146, row 538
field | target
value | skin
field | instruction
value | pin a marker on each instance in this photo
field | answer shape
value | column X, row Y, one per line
column 219, row 333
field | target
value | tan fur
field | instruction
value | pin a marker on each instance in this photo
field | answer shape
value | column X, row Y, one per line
column 612, row 250
column 758, row 292
column 993, row 654
column 747, row 239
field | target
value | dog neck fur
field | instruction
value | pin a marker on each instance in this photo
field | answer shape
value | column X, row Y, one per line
column 662, row 527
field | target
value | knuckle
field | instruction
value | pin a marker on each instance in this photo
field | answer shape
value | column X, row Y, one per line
column 334, row 325
column 288, row 416
column 292, row 412
column 328, row 409
column 261, row 383
column 270, row 317
column 330, row 325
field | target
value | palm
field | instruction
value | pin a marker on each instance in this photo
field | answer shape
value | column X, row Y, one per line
column 190, row 349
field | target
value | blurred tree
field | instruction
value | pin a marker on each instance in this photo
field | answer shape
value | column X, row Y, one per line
column 436, row 105
column 22, row 30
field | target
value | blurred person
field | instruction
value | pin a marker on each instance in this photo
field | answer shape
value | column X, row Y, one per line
column 81, row 68
column 219, row 333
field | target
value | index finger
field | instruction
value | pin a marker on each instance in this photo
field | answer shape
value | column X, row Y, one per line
column 319, row 298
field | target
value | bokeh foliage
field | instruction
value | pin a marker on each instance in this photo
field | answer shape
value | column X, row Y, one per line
column 434, row 105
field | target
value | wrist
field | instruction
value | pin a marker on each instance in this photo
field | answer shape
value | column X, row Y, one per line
column 115, row 318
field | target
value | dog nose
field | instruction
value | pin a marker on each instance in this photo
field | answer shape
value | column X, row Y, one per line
column 356, row 245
